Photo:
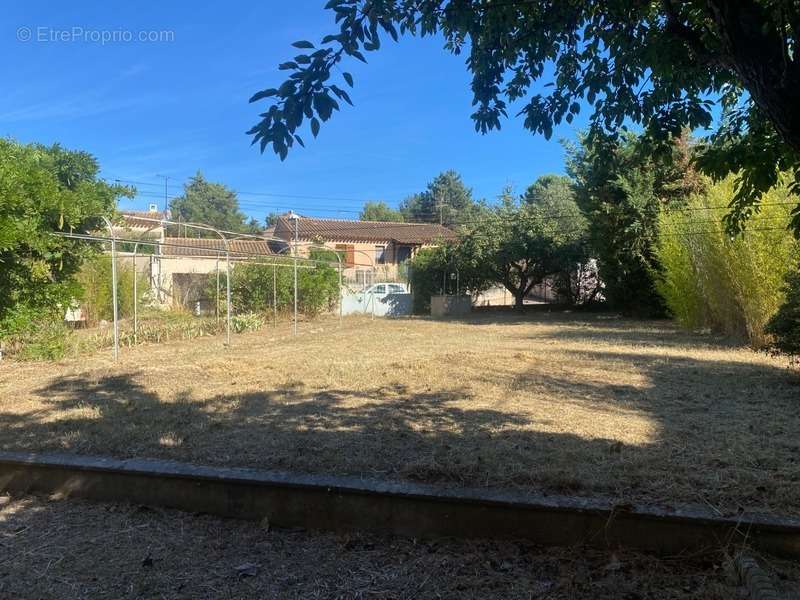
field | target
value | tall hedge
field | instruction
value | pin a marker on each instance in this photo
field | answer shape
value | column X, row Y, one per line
column 252, row 287
column 711, row 280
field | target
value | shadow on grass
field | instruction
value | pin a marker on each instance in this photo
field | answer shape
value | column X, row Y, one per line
column 587, row 325
column 720, row 432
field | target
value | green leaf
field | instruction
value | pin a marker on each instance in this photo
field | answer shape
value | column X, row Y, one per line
column 342, row 94
column 348, row 78
column 314, row 126
column 303, row 44
column 263, row 94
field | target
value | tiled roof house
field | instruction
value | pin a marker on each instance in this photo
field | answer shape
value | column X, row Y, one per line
column 365, row 244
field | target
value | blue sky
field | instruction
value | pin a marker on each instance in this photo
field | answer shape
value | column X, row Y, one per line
column 174, row 107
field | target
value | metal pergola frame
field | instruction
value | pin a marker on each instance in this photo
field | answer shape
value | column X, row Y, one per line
column 226, row 237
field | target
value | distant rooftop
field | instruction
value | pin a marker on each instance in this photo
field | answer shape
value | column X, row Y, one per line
column 340, row 230
column 181, row 246
column 141, row 218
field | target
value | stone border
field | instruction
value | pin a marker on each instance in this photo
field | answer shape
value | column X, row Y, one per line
column 402, row 508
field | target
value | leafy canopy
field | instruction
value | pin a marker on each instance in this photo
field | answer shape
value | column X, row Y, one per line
column 552, row 192
column 446, row 200
column 621, row 189
column 380, row 211
column 659, row 65
column 212, row 204
column 45, row 189
column 520, row 243
column 253, row 292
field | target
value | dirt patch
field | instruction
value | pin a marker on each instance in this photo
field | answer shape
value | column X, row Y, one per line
column 72, row 549
column 577, row 404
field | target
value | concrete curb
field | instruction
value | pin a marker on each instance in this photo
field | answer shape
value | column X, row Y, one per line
column 402, row 508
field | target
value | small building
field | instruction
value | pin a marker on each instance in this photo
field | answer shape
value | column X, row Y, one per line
column 180, row 270
column 370, row 250
column 142, row 225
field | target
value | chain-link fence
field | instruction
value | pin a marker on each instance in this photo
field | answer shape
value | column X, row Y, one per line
column 156, row 280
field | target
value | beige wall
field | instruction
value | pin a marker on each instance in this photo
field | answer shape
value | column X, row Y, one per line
column 364, row 258
column 164, row 269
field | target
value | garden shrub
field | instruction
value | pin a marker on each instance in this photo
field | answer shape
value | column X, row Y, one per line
column 252, row 287
column 427, row 276
column 247, row 322
column 96, row 296
column 45, row 339
column 784, row 326
column 711, row 280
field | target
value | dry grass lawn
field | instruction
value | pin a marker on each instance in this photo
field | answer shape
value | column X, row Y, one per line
column 577, row 404
column 69, row 549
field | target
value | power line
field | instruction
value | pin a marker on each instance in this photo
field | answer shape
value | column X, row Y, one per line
column 166, row 185
column 265, row 194
column 567, row 217
column 433, row 214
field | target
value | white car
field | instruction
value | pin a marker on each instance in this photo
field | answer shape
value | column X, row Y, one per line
column 386, row 288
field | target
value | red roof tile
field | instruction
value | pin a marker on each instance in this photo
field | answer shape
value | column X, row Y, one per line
column 310, row 228
column 177, row 246
column 141, row 218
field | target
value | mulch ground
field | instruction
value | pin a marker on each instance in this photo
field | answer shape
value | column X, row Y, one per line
column 71, row 549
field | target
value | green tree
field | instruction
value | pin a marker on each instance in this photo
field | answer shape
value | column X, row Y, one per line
column 96, row 297
column 431, row 271
column 517, row 244
column 521, row 244
column 45, row 189
column 621, row 188
column 380, row 211
column 446, row 200
column 212, row 204
column 551, row 191
column 253, row 226
column 554, row 197
column 661, row 65
column 785, row 324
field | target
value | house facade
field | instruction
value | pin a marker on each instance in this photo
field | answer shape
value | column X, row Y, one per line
column 370, row 250
column 178, row 268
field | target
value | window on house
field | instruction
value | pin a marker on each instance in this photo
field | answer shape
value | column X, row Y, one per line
column 380, row 255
